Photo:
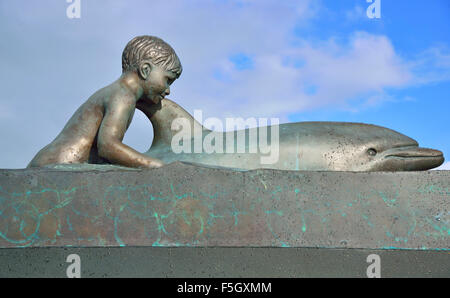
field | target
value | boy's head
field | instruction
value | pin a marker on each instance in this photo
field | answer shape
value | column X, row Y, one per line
column 152, row 49
column 155, row 62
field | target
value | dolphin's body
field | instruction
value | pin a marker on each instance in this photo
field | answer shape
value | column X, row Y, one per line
column 311, row 146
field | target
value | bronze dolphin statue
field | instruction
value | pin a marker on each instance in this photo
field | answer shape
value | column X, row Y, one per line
column 310, row 146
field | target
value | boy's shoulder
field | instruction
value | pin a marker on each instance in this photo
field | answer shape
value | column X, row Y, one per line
column 117, row 94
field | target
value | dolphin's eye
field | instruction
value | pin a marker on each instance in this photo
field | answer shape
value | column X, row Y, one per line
column 372, row 152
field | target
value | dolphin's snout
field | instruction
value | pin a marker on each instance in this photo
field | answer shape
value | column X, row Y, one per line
column 416, row 158
column 415, row 152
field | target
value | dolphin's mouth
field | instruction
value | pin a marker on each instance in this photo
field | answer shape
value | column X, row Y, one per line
column 413, row 158
column 413, row 151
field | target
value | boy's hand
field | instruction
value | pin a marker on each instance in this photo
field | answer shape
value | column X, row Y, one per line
column 155, row 163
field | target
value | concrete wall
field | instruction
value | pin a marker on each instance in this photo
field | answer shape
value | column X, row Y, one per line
column 188, row 205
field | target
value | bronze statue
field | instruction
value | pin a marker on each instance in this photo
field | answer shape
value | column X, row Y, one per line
column 307, row 146
column 95, row 132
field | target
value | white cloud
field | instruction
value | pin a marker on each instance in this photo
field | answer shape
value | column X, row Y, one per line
column 432, row 65
column 366, row 65
column 206, row 34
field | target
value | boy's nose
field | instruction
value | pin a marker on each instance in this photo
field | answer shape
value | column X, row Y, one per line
column 167, row 91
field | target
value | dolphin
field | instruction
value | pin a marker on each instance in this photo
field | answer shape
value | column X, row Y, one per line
column 303, row 146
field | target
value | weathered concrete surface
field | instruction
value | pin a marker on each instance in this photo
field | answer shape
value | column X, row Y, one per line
column 188, row 205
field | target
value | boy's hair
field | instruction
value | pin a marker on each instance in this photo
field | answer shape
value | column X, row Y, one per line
column 151, row 48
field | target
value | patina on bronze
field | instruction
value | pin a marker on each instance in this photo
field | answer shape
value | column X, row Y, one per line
column 95, row 132
column 310, row 146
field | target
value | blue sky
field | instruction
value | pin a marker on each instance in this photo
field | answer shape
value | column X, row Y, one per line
column 297, row 60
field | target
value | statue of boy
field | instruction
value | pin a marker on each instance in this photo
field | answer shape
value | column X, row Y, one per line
column 95, row 132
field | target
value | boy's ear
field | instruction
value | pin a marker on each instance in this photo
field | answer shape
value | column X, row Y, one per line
column 144, row 70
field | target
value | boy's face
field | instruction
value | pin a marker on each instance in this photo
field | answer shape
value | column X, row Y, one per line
column 157, row 84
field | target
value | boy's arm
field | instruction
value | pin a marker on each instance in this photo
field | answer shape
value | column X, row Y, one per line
column 111, row 133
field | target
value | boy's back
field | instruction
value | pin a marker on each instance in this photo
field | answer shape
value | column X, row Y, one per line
column 76, row 143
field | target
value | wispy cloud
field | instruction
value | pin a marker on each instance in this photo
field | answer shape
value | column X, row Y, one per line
column 432, row 65
column 308, row 75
